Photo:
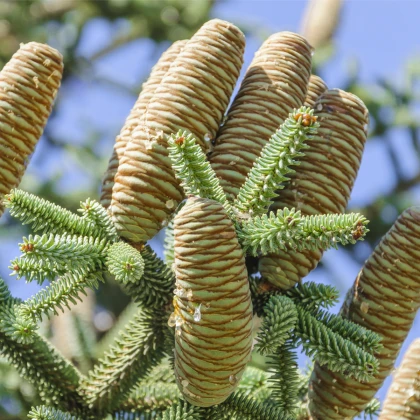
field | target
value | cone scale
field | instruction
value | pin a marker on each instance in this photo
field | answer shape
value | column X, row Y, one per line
column 213, row 309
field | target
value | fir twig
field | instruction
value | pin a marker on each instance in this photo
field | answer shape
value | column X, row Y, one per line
column 151, row 396
column 34, row 270
column 15, row 326
column 48, row 217
column 372, row 409
column 124, row 262
column 254, row 383
column 135, row 351
column 273, row 164
column 96, row 213
column 279, row 321
column 313, row 295
column 47, row 413
column 181, row 410
column 55, row 379
column 192, row 168
column 285, row 380
column 329, row 348
column 247, row 408
column 58, row 294
column 77, row 254
column 362, row 337
column 288, row 229
column 154, row 288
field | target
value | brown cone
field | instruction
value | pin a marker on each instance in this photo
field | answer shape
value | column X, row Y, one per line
column 316, row 87
column 193, row 96
column 133, row 120
column 323, row 181
column 384, row 298
column 274, row 84
column 211, row 353
column 28, row 85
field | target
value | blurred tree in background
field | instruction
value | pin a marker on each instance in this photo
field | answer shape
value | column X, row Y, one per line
column 76, row 145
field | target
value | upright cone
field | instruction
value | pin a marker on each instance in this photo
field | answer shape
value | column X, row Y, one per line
column 384, row 299
column 275, row 84
column 192, row 96
column 323, row 181
column 213, row 309
column 136, row 114
column 28, row 85
column 403, row 398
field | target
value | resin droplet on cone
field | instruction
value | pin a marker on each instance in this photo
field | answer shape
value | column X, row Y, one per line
column 28, row 85
column 192, row 96
column 213, row 320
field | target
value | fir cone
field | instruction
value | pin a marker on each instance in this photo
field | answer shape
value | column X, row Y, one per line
column 192, row 96
column 403, row 398
column 133, row 120
column 213, row 309
column 316, row 87
column 274, row 84
column 323, row 181
column 29, row 83
column 384, row 298
column 321, row 20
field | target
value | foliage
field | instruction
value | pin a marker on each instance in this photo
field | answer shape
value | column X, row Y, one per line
column 129, row 381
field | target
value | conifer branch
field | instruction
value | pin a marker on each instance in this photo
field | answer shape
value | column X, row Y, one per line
column 273, row 164
column 62, row 292
column 54, row 378
column 247, row 408
column 279, row 321
column 313, row 295
column 96, row 213
column 182, row 410
column 371, row 411
column 47, row 413
column 192, row 168
column 124, row 262
column 329, row 348
column 154, row 288
column 151, row 396
column 15, row 326
column 74, row 254
column 34, row 270
column 285, row 380
column 48, row 217
column 254, row 383
column 362, row 337
column 288, row 229
column 136, row 350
